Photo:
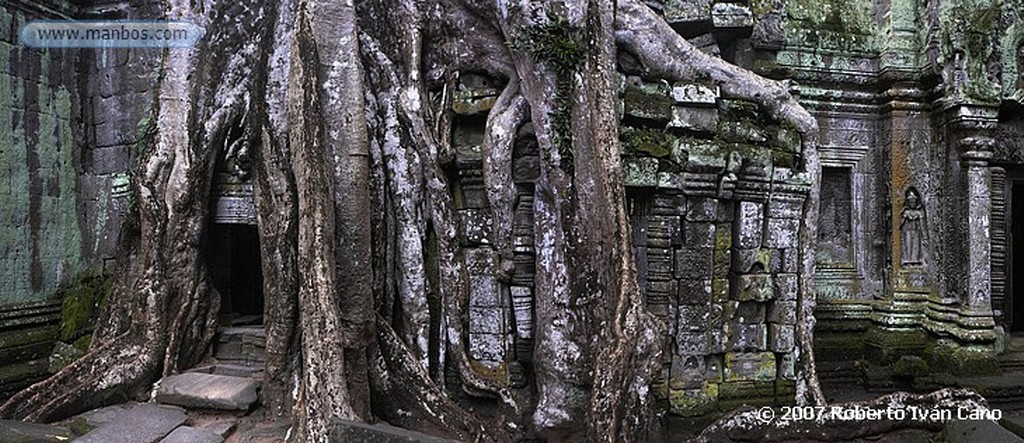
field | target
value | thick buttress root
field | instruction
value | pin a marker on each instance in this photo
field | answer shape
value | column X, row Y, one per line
column 404, row 395
column 120, row 369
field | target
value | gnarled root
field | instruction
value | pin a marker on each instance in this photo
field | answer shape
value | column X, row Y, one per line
column 121, row 368
column 835, row 425
column 404, row 395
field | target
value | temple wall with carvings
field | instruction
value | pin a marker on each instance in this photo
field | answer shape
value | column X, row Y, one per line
column 920, row 144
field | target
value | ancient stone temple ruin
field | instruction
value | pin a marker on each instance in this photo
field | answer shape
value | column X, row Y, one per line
column 920, row 244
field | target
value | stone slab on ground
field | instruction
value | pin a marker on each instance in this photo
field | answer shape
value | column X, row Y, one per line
column 207, row 391
column 145, row 423
column 20, row 431
column 101, row 416
column 350, row 431
column 221, row 428
column 997, row 389
column 188, row 434
column 975, row 431
column 1014, row 423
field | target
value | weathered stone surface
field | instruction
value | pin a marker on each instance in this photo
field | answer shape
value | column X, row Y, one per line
column 702, row 209
column 207, row 391
column 748, row 337
column 782, row 312
column 19, row 431
column 693, row 318
column 695, row 94
column 786, row 365
column 756, row 287
column 659, row 294
column 101, row 416
column 345, row 431
column 145, row 423
column 484, row 291
column 782, row 233
column 63, row 354
column 648, row 101
column 485, row 320
column 750, row 219
column 694, row 292
column 640, row 171
column 749, row 366
column 963, row 431
column 476, row 226
column 687, row 371
column 731, row 16
column 188, row 434
column 691, row 343
column 694, row 119
column 750, row 312
column 487, row 347
column 526, row 169
column 781, row 338
column 699, row 235
column 693, row 263
column 686, row 12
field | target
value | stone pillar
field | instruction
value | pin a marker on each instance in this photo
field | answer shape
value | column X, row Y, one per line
column 976, row 309
column 972, row 350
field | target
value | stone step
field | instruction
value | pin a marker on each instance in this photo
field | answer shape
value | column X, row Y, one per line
column 241, row 343
column 188, row 434
column 208, row 391
column 252, row 370
column 145, row 423
column 20, row 431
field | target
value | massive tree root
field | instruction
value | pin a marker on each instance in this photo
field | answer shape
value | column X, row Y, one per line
column 358, row 229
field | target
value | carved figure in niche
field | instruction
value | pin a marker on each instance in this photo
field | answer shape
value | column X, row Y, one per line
column 912, row 228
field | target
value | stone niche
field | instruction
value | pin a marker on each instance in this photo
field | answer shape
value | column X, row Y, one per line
column 715, row 202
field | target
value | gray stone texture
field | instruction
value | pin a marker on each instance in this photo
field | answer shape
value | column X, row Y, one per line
column 188, row 434
column 145, row 423
column 207, row 391
column 19, row 431
column 344, row 431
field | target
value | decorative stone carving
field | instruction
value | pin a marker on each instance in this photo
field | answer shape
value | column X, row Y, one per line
column 912, row 229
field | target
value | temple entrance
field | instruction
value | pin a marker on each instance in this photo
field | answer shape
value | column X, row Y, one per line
column 233, row 254
column 1015, row 276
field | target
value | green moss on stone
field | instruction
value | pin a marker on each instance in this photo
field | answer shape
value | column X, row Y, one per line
column 80, row 302
column 646, row 141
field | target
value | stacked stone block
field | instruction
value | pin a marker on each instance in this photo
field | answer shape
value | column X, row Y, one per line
column 712, row 186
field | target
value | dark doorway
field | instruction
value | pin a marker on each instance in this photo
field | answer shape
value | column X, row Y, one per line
column 234, row 257
column 1016, row 255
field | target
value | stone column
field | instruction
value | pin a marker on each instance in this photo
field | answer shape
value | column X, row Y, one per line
column 976, row 309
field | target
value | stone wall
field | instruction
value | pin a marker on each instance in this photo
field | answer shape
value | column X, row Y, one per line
column 68, row 119
column 40, row 239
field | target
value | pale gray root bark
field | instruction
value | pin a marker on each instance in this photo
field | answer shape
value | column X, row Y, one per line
column 341, row 73
column 641, row 32
column 274, row 195
column 323, row 392
column 745, row 426
column 621, row 403
column 401, row 98
column 509, row 112
column 408, row 398
column 561, row 361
